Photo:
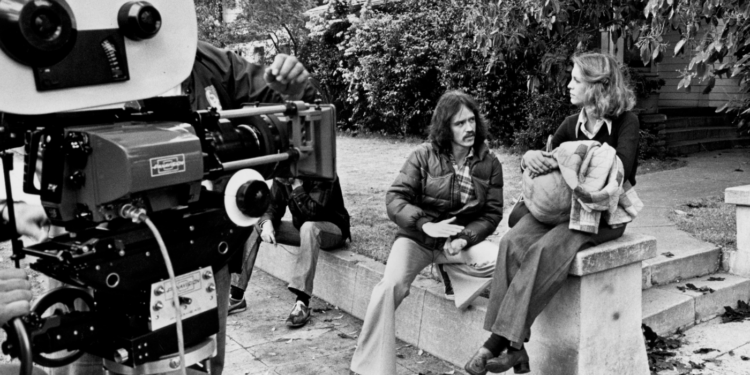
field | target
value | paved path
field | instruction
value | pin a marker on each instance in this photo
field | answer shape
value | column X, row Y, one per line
column 258, row 342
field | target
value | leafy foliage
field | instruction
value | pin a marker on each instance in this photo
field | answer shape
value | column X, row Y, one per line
column 395, row 61
column 280, row 20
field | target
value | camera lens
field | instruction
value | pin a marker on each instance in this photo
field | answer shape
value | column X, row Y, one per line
column 139, row 20
column 37, row 33
column 46, row 25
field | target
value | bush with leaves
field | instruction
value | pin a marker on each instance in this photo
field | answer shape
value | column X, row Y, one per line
column 544, row 114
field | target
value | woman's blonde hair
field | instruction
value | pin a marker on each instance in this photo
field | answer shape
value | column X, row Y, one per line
column 608, row 93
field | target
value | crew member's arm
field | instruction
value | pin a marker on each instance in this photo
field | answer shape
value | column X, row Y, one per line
column 314, row 202
column 285, row 79
column 15, row 294
column 277, row 207
column 478, row 230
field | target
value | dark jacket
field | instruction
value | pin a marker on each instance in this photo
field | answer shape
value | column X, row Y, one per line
column 234, row 80
column 624, row 139
column 423, row 192
column 315, row 200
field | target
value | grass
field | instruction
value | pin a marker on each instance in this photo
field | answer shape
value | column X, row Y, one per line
column 367, row 166
column 708, row 219
column 659, row 165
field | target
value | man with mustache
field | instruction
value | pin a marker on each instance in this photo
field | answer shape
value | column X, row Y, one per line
column 447, row 199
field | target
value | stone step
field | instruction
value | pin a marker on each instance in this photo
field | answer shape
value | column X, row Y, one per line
column 679, row 256
column 687, row 122
column 691, row 147
column 667, row 308
column 672, row 135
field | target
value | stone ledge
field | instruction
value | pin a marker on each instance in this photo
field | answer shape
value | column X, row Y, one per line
column 627, row 249
column 739, row 195
column 425, row 318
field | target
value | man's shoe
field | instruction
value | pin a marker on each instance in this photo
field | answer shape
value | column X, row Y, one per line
column 518, row 359
column 236, row 305
column 449, row 295
column 477, row 363
column 299, row 316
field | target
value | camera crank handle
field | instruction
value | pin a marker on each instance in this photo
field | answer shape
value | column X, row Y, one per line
column 29, row 162
column 18, row 336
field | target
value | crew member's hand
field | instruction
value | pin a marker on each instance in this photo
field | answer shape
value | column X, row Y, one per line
column 31, row 220
column 296, row 183
column 442, row 229
column 267, row 233
column 453, row 247
column 539, row 162
column 15, row 294
column 286, row 75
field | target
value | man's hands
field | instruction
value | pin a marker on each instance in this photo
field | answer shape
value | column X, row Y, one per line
column 442, row 229
column 31, row 220
column 454, row 247
column 286, row 75
column 15, row 294
column 267, row 233
column 539, row 162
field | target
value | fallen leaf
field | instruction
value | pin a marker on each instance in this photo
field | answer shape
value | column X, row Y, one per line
column 667, row 254
column 681, row 213
column 705, row 350
column 339, row 317
column 451, row 372
column 745, row 358
column 273, row 329
column 715, row 279
column 400, row 356
column 420, row 352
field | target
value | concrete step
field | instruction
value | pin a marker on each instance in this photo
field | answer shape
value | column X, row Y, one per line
column 672, row 135
column 691, row 147
column 679, row 256
column 688, row 111
column 686, row 122
column 667, row 308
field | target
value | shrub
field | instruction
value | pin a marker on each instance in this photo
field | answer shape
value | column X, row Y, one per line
column 544, row 114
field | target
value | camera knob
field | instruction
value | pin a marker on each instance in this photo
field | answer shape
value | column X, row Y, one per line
column 253, row 197
column 78, row 178
column 139, row 20
column 121, row 355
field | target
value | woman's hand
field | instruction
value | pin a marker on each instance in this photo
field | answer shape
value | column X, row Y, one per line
column 539, row 162
column 442, row 229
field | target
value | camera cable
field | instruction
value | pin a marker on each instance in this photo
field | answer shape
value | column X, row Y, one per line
column 139, row 215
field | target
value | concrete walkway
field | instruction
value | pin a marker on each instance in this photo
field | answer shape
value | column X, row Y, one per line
column 706, row 174
column 258, row 341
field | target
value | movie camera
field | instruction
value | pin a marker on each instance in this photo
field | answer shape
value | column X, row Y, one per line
column 146, row 190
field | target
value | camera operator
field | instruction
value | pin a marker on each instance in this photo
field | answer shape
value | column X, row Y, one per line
column 15, row 288
column 223, row 80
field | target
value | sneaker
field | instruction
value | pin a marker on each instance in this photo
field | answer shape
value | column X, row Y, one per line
column 299, row 316
column 236, row 305
column 447, row 283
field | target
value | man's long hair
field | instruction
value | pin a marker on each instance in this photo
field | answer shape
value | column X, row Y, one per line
column 448, row 106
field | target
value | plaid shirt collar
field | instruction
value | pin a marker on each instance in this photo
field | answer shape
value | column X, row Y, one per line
column 463, row 185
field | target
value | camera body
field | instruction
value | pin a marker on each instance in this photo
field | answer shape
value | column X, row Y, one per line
column 94, row 166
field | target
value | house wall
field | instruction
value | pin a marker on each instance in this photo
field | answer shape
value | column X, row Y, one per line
column 725, row 89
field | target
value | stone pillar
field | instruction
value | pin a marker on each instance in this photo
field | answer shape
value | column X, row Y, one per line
column 739, row 263
column 593, row 324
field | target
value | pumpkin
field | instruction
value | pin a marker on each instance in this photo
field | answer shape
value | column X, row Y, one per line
column 548, row 197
